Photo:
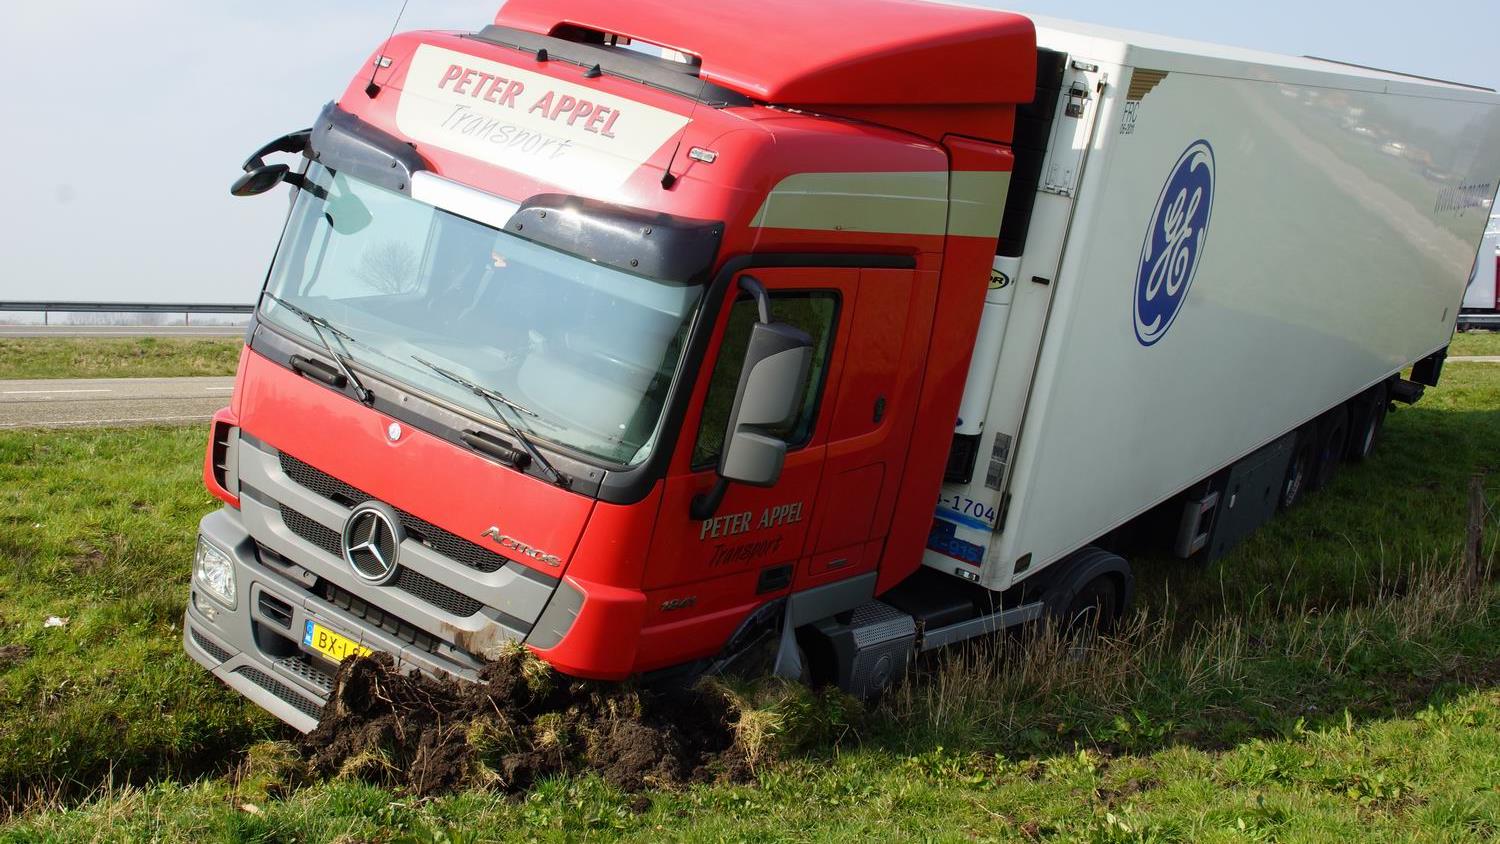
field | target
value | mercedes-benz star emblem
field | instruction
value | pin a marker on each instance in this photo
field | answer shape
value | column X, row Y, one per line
column 372, row 541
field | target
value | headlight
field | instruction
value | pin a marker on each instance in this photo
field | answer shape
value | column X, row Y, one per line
column 214, row 571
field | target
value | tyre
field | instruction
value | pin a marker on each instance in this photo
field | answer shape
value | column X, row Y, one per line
column 1095, row 609
column 1093, row 590
column 1366, row 422
column 1333, row 442
column 1299, row 470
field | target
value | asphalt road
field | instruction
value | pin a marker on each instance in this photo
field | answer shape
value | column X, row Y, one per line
column 122, row 331
column 74, row 403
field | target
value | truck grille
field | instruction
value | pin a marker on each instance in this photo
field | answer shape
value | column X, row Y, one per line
column 301, row 666
column 296, row 513
column 429, row 590
column 413, row 583
column 362, row 609
column 210, row 648
column 326, row 538
column 281, row 690
column 445, row 542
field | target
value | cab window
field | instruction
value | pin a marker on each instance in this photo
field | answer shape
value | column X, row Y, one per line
column 815, row 312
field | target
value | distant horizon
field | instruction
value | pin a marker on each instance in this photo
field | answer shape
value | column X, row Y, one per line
column 130, row 122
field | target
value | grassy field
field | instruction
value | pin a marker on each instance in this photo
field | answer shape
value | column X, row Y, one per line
column 1476, row 343
column 1337, row 678
column 117, row 357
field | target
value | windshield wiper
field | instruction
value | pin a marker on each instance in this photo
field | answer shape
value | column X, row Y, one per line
column 319, row 325
column 495, row 398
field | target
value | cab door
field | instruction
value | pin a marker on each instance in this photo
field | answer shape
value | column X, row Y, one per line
column 751, row 545
column 869, row 427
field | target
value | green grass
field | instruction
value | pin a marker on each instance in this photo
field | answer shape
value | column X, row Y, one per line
column 97, row 527
column 1475, row 343
column 1335, row 679
column 117, row 357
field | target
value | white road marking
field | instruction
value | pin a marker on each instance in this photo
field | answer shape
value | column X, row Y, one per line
column 38, row 392
column 217, row 388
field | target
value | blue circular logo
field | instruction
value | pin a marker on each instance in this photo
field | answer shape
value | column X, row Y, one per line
column 1174, row 243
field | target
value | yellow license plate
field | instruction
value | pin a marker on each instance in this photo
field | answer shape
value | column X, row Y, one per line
column 330, row 644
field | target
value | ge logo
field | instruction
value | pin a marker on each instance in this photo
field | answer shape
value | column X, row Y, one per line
column 1174, row 243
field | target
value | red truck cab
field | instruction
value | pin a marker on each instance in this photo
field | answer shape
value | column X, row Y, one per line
column 621, row 354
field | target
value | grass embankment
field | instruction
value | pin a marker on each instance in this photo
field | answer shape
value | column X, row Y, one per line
column 1475, row 343
column 1334, row 679
column 117, row 357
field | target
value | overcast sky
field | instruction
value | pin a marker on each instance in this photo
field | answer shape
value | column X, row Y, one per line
column 124, row 123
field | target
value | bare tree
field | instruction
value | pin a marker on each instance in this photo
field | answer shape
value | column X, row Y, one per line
column 389, row 267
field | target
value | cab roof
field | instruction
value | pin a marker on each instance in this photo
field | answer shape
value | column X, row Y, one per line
column 819, row 52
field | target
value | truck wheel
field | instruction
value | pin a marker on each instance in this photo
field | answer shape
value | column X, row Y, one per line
column 1368, row 421
column 1092, row 594
column 1333, row 442
column 1299, row 470
column 1094, row 609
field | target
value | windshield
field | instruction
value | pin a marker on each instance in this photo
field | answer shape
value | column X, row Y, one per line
column 590, row 351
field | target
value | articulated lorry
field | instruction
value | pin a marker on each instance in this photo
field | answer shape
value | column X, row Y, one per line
column 650, row 337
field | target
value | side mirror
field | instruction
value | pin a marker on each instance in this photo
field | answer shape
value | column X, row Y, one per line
column 260, row 177
column 773, row 381
column 260, row 180
column 290, row 143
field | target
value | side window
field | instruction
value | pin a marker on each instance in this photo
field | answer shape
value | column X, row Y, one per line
column 815, row 312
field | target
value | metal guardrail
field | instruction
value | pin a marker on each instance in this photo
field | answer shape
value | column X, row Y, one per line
column 186, row 309
column 126, row 308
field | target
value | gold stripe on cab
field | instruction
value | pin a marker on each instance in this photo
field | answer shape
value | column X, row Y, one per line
column 888, row 203
column 978, row 202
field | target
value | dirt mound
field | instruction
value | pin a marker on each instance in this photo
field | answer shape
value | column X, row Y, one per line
column 519, row 723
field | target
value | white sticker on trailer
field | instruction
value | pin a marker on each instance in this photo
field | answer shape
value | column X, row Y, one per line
column 562, row 133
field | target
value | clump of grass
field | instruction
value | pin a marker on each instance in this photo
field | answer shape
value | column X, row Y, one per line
column 271, row 768
column 776, row 719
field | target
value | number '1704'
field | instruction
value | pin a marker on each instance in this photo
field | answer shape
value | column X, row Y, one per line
column 970, row 507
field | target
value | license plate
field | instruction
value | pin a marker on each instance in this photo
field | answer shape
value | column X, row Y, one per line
column 330, row 644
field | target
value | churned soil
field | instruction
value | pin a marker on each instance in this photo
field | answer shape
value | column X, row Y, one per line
column 519, row 723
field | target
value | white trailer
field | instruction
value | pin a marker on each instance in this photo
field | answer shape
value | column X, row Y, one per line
column 1481, row 308
column 1231, row 257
